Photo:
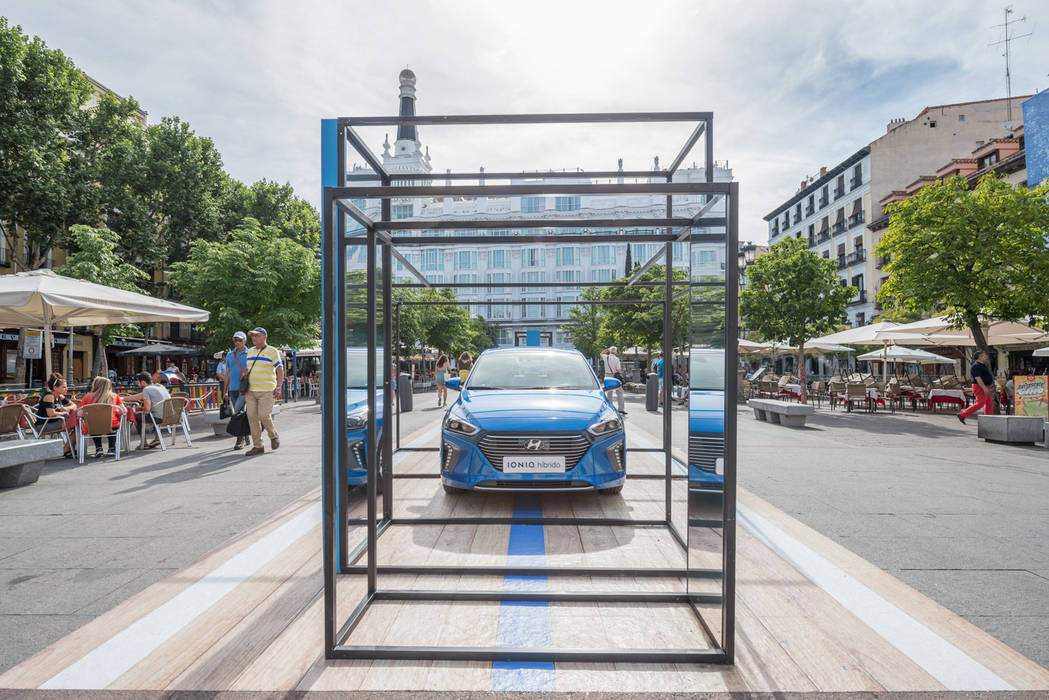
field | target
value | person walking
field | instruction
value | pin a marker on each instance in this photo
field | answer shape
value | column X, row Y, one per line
column 983, row 387
column 265, row 377
column 659, row 375
column 614, row 369
column 443, row 365
column 464, row 365
column 236, row 361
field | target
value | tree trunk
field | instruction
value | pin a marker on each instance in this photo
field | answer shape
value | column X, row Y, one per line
column 972, row 320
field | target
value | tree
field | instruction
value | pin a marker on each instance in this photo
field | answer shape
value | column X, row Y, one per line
column 969, row 253
column 483, row 335
column 584, row 329
column 628, row 266
column 642, row 323
column 93, row 258
column 792, row 295
column 42, row 188
column 256, row 277
column 272, row 204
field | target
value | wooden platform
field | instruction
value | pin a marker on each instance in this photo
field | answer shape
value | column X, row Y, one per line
column 811, row 616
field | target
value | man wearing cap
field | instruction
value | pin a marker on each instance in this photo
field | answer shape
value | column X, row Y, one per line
column 265, row 375
column 236, row 365
column 614, row 368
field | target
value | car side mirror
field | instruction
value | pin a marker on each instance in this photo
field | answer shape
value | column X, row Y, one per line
column 453, row 383
column 612, row 383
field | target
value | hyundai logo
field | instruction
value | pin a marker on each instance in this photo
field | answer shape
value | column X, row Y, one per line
column 535, row 444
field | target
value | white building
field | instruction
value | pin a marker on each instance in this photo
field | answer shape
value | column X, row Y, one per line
column 831, row 212
column 528, row 262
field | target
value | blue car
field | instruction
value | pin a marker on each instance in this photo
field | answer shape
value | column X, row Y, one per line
column 706, row 418
column 532, row 419
column 357, row 415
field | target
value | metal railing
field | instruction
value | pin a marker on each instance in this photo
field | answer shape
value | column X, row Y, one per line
column 839, row 192
column 838, row 227
column 856, row 219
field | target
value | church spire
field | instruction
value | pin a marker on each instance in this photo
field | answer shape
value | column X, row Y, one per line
column 407, row 131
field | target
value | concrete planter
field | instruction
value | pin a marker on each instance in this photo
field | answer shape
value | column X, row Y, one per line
column 1017, row 429
column 21, row 461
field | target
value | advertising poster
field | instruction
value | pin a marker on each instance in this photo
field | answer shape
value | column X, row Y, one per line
column 1032, row 395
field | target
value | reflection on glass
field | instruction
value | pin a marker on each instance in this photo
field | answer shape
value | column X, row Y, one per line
column 706, row 425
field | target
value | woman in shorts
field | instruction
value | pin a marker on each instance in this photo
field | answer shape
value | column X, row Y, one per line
column 441, row 369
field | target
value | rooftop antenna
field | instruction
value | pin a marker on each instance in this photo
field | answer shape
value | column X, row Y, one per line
column 1007, row 40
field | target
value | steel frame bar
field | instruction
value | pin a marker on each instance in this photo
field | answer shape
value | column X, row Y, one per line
column 337, row 559
column 558, row 174
column 611, row 571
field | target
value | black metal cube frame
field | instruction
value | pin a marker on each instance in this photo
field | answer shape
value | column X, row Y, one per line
column 336, row 206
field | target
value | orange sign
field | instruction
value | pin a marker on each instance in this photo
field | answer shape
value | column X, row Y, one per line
column 1032, row 395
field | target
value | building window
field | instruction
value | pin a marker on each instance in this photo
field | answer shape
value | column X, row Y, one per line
column 532, row 278
column 569, row 276
column 563, row 309
column 494, row 277
column 602, row 255
column 566, row 203
column 534, row 310
column 433, row 260
column 402, row 211
column 932, row 125
column 857, row 282
column 466, row 259
column 533, row 257
column 532, row 205
column 602, row 274
column 568, row 256
column 498, row 259
column 679, row 252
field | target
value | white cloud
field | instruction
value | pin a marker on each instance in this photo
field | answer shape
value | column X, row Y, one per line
column 793, row 85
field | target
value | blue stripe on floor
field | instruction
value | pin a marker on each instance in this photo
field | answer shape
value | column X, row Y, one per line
column 524, row 624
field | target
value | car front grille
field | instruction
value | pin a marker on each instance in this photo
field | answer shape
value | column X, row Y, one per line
column 495, row 446
column 704, row 449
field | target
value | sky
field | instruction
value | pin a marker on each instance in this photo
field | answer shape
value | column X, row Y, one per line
column 793, row 85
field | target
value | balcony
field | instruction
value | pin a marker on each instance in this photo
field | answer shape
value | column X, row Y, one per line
column 860, row 298
column 855, row 182
column 839, row 192
column 824, row 236
column 842, row 264
column 823, row 202
column 856, row 219
column 809, row 210
column 837, row 228
column 856, row 257
column 881, row 262
column 775, row 230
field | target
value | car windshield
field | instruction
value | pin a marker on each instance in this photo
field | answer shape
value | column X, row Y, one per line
column 707, row 369
column 531, row 370
column 357, row 369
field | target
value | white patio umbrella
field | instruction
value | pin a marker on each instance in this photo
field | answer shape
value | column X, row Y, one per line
column 896, row 353
column 1041, row 352
column 937, row 331
column 42, row 298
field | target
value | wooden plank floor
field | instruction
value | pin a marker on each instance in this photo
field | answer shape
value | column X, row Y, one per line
column 266, row 632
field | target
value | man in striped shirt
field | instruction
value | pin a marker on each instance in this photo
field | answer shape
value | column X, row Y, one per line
column 265, row 378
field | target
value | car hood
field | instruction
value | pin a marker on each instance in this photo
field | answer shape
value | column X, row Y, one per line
column 706, row 411
column 532, row 410
column 357, row 399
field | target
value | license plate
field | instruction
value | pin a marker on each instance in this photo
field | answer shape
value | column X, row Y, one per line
column 534, row 464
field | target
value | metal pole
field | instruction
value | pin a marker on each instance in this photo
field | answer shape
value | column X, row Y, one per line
column 397, row 351
column 668, row 356
column 370, row 440
column 330, row 490
column 338, row 386
column 387, row 399
column 69, row 358
column 728, row 562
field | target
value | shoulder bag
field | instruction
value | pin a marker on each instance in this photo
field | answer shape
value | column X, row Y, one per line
column 245, row 376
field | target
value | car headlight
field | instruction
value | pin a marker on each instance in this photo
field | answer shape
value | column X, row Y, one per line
column 608, row 423
column 357, row 419
column 457, row 424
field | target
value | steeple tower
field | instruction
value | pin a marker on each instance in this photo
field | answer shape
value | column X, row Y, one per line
column 408, row 155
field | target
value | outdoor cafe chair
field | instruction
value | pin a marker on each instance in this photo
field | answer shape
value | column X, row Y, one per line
column 855, row 392
column 11, row 418
column 173, row 416
column 836, row 392
column 96, row 420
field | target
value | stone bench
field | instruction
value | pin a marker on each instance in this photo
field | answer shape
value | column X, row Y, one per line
column 219, row 424
column 1017, row 429
column 22, row 460
column 785, row 413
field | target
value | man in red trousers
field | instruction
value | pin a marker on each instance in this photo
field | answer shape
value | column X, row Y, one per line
column 983, row 387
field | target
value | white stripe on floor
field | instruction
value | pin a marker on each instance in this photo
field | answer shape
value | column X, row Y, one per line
column 941, row 659
column 675, row 465
column 115, row 657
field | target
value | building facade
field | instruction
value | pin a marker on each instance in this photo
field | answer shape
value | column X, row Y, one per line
column 529, row 261
column 829, row 211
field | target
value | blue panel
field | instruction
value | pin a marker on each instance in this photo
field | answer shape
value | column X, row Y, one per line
column 329, row 178
column 532, row 338
column 1036, row 138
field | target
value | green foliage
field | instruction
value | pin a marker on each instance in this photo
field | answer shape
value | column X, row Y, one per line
column 641, row 324
column 969, row 253
column 256, row 277
column 42, row 185
column 793, row 295
column 584, row 329
column 273, row 204
column 93, row 258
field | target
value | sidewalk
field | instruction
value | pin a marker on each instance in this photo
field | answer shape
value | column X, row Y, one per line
column 84, row 538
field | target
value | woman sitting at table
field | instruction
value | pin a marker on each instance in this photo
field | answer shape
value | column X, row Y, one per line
column 102, row 392
column 54, row 410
